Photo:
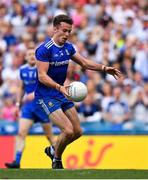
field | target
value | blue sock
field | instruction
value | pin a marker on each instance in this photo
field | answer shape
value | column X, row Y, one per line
column 18, row 157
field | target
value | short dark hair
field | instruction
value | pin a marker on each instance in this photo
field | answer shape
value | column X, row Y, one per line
column 62, row 18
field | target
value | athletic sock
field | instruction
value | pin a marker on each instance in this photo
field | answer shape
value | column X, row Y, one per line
column 52, row 151
column 18, row 157
column 56, row 159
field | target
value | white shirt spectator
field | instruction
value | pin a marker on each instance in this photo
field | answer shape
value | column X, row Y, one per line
column 3, row 45
column 117, row 110
column 141, row 63
column 92, row 17
column 9, row 73
column 117, row 14
column 105, row 102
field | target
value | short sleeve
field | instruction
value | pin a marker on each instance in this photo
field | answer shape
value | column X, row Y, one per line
column 20, row 74
column 73, row 50
column 42, row 54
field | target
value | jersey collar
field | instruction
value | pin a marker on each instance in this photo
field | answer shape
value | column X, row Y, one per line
column 56, row 43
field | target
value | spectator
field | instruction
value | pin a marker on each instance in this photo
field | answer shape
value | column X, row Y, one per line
column 61, row 8
column 11, row 73
column 107, row 95
column 42, row 17
column 105, row 52
column 90, row 7
column 91, row 44
column 140, row 111
column 141, row 60
column 89, row 110
column 84, row 31
column 138, row 82
column 117, row 112
column 9, row 37
column 18, row 19
column 8, row 111
column 78, row 14
column 128, row 95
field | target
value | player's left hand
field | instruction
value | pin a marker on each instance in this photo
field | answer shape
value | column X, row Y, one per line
column 114, row 72
column 64, row 90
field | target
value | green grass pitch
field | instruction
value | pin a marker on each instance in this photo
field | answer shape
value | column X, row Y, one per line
column 72, row 174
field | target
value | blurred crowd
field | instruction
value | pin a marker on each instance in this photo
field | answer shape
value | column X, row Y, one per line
column 111, row 32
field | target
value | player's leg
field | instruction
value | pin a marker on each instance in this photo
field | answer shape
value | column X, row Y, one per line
column 41, row 116
column 72, row 115
column 47, row 127
column 52, row 107
column 61, row 120
column 70, row 111
column 49, row 150
column 24, row 126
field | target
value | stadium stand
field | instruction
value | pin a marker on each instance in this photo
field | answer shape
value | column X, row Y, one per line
column 116, row 34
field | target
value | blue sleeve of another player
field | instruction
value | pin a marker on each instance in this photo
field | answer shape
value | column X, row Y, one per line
column 42, row 54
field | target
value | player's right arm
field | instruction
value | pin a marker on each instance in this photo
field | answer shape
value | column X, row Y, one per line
column 20, row 93
column 89, row 64
column 19, row 97
column 42, row 68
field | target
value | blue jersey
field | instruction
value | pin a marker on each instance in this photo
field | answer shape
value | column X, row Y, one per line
column 58, row 58
column 28, row 75
column 29, row 111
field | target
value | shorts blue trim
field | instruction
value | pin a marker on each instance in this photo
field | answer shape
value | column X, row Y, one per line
column 50, row 105
column 32, row 112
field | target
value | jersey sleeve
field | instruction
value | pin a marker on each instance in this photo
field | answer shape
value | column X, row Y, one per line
column 42, row 54
column 72, row 50
column 20, row 77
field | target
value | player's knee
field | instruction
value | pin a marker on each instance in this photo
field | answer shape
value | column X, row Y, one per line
column 69, row 132
column 78, row 133
column 22, row 134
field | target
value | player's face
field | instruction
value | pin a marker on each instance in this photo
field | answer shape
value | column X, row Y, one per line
column 30, row 56
column 62, row 32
